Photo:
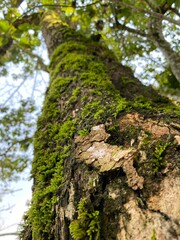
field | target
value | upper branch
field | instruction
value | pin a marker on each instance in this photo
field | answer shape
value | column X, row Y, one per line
column 156, row 32
column 174, row 10
column 154, row 14
column 131, row 30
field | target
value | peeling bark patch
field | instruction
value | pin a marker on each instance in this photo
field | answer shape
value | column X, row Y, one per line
column 165, row 200
column 177, row 138
column 156, row 127
column 142, row 224
column 93, row 150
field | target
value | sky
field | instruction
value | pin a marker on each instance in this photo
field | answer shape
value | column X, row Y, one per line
column 32, row 87
column 9, row 220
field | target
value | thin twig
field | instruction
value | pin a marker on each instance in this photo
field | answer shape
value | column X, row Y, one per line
column 14, row 92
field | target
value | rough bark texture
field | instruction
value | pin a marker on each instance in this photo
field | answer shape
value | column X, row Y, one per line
column 106, row 162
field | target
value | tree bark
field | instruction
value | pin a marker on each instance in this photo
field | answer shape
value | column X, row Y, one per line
column 106, row 149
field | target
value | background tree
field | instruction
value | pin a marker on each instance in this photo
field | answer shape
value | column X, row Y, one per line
column 89, row 94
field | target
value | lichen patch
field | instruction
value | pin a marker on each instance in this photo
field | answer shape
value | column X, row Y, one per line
column 93, row 150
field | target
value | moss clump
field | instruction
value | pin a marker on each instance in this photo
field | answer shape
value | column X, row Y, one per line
column 158, row 161
column 87, row 224
column 83, row 132
column 153, row 237
column 155, row 158
column 75, row 95
column 140, row 102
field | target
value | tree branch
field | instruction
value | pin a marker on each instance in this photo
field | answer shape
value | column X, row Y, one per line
column 5, row 47
column 33, row 18
column 17, row 3
column 131, row 30
column 40, row 65
column 150, row 4
column 8, row 234
column 174, row 10
column 151, row 13
column 156, row 32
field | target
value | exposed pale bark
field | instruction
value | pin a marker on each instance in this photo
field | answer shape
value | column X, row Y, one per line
column 106, row 146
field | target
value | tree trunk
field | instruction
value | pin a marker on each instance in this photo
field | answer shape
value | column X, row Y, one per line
column 106, row 150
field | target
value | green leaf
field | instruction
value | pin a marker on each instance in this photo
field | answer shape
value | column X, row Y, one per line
column 69, row 10
column 24, row 26
column 24, row 40
column 90, row 11
column 124, row 12
column 47, row 2
column 177, row 3
column 4, row 26
column 1, row 41
column 35, row 42
column 170, row 1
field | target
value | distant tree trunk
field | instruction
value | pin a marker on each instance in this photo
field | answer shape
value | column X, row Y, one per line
column 106, row 150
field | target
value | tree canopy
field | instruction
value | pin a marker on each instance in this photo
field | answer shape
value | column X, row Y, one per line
column 137, row 31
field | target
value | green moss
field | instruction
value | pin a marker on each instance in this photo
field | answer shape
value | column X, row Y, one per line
column 170, row 109
column 158, row 156
column 140, row 102
column 153, row 237
column 49, row 178
column 126, row 80
column 75, row 95
column 83, row 132
column 63, row 49
column 93, row 109
column 128, row 134
column 87, row 224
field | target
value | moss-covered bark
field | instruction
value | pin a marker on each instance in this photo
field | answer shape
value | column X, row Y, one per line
column 102, row 139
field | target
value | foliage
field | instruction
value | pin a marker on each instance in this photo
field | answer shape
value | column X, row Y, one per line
column 124, row 26
column 16, row 137
column 87, row 223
